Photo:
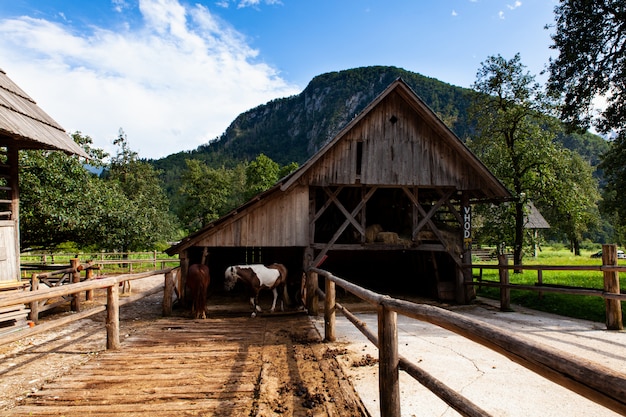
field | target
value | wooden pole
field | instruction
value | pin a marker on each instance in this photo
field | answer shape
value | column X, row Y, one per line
column 611, row 285
column 34, row 305
column 184, row 268
column 312, row 299
column 388, row 363
column 505, row 292
column 113, row 317
column 168, row 294
column 329, row 312
column 75, row 303
column 89, row 277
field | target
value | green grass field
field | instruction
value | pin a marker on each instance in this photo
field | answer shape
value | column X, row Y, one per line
column 577, row 306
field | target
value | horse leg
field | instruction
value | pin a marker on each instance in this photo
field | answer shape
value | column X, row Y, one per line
column 275, row 292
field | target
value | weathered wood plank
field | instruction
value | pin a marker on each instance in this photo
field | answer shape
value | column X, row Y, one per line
column 222, row 366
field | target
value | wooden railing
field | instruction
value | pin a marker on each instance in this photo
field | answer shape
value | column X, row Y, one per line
column 112, row 305
column 611, row 292
column 600, row 384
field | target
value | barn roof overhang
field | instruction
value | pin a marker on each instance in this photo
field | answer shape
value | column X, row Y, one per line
column 25, row 125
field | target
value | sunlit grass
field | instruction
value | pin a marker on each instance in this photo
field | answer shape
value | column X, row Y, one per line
column 577, row 306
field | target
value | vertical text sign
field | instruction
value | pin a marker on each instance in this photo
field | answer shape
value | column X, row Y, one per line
column 467, row 227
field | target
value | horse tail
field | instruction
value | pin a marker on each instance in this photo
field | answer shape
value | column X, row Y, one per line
column 283, row 271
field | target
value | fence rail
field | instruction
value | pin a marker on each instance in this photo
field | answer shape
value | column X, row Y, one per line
column 111, row 283
column 611, row 292
column 126, row 260
column 600, row 384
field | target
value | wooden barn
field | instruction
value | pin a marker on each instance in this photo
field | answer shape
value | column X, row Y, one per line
column 387, row 203
column 23, row 125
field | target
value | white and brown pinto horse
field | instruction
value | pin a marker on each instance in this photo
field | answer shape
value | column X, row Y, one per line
column 257, row 277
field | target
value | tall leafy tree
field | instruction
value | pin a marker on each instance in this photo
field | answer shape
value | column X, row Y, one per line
column 261, row 174
column 590, row 37
column 206, row 192
column 569, row 196
column 513, row 139
column 142, row 219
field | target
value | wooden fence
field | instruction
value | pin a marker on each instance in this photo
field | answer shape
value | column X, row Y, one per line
column 113, row 303
column 600, row 384
column 123, row 260
column 611, row 291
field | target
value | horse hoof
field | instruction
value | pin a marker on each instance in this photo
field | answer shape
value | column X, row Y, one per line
column 253, row 315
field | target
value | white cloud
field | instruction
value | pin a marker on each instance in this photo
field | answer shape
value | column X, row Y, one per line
column 173, row 84
column 454, row 13
column 501, row 14
column 515, row 5
column 246, row 3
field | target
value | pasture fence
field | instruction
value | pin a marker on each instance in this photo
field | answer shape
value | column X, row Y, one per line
column 109, row 262
column 600, row 384
column 611, row 292
column 113, row 303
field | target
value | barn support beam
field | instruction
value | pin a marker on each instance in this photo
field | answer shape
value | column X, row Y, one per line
column 310, row 285
column 465, row 293
column 184, row 268
column 350, row 218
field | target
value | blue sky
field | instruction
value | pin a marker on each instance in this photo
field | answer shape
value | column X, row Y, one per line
column 173, row 74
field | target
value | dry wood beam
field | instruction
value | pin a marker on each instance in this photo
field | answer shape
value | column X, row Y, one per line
column 349, row 216
column 344, row 225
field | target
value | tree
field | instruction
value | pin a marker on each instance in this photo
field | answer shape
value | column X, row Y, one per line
column 261, row 174
column 590, row 37
column 569, row 197
column 514, row 136
column 206, row 193
column 142, row 219
column 57, row 196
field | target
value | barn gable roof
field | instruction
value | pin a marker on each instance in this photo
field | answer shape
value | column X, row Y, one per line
column 490, row 187
column 26, row 125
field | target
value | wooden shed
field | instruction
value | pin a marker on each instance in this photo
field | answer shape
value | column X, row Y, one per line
column 23, row 125
column 386, row 203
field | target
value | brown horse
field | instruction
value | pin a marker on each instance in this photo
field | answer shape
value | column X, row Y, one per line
column 256, row 277
column 198, row 280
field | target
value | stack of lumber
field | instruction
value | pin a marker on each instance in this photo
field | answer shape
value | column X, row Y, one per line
column 13, row 318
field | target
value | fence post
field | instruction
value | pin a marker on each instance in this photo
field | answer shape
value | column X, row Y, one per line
column 167, row 294
column 89, row 277
column 75, row 303
column 611, row 285
column 329, row 311
column 34, row 305
column 113, row 317
column 388, row 362
column 505, row 292
column 312, row 299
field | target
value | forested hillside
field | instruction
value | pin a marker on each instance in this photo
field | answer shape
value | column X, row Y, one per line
column 292, row 129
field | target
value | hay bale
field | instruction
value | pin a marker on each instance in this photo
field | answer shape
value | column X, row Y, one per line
column 371, row 232
column 389, row 238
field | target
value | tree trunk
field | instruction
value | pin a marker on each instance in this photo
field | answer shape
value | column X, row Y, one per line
column 518, row 245
column 576, row 243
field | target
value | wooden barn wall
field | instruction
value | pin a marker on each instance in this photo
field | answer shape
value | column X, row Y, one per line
column 9, row 257
column 282, row 220
column 407, row 152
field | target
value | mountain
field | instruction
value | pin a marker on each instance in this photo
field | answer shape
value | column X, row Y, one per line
column 292, row 129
